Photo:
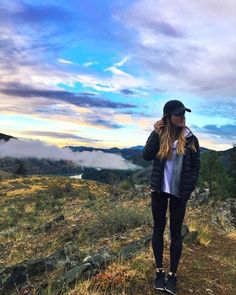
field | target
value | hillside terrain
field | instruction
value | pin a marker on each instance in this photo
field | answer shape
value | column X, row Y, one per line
column 52, row 229
column 6, row 137
column 34, row 166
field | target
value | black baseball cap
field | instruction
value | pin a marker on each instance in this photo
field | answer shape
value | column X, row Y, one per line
column 174, row 107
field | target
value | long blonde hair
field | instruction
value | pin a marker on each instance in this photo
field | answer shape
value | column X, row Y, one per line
column 166, row 135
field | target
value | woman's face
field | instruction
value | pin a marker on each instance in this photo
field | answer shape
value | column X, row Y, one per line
column 178, row 120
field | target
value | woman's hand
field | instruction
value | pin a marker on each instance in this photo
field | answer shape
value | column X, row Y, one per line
column 158, row 125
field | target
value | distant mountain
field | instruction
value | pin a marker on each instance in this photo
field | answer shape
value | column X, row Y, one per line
column 137, row 147
column 203, row 150
column 114, row 149
column 6, row 137
column 42, row 166
column 224, row 157
column 125, row 152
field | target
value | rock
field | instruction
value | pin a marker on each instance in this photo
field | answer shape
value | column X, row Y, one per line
column 131, row 249
column 233, row 211
column 49, row 225
column 138, row 188
column 184, row 230
column 18, row 274
column 189, row 237
column 99, row 260
column 225, row 214
column 199, row 197
column 75, row 273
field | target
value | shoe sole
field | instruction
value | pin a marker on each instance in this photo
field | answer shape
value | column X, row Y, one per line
column 170, row 292
column 159, row 289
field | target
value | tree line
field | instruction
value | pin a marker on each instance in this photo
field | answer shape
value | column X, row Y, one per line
column 217, row 176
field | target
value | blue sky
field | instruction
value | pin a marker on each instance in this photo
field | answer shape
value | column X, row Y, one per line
column 98, row 73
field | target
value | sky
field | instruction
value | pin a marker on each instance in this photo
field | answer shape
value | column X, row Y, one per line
column 98, row 72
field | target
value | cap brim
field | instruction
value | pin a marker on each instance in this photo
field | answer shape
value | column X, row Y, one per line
column 180, row 110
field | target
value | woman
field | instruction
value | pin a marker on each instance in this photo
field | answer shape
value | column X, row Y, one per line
column 176, row 154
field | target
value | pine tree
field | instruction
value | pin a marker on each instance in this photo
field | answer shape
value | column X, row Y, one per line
column 21, row 170
column 232, row 172
column 215, row 175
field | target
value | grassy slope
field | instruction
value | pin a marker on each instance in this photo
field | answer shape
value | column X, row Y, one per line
column 28, row 203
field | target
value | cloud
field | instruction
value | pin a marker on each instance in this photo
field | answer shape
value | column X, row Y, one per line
column 107, row 123
column 178, row 42
column 64, row 61
column 166, row 29
column 88, row 64
column 227, row 131
column 31, row 33
column 60, row 135
column 122, row 62
column 25, row 13
column 127, row 91
column 37, row 149
column 30, row 50
column 216, row 107
column 114, row 69
column 57, row 111
column 190, row 62
column 79, row 99
column 185, row 48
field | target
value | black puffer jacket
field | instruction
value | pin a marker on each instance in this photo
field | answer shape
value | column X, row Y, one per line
column 190, row 168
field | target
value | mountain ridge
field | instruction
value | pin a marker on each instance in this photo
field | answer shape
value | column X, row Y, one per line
column 7, row 137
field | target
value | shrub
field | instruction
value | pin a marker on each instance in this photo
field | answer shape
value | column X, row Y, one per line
column 118, row 219
column 57, row 187
column 125, row 185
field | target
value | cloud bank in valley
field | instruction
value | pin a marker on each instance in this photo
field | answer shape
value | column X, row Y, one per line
column 37, row 149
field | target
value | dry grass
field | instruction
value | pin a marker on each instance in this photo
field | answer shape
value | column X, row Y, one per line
column 26, row 204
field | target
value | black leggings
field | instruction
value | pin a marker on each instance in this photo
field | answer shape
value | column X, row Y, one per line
column 159, row 203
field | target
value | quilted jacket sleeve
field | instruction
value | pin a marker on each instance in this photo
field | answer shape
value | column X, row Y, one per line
column 151, row 147
column 195, row 161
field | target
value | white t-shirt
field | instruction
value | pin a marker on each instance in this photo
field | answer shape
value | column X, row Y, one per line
column 168, row 170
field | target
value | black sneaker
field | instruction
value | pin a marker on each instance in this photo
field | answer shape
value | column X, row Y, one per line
column 171, row 284
column 159, row 281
